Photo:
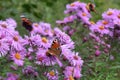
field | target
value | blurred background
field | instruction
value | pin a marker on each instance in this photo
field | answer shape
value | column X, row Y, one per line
column 47, row 10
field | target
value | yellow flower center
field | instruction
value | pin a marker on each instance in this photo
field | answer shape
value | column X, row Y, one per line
column 101, row 27
column 118, row 16
column 44, row 39
column 71, row 78
column 17, row 56
column 72, row 4
column 109, row 13
column 36, row 25
column 4, row 25
column 92, row 22
column 15, row 38
column 105, row 22
column 51, row 73
column 84, row 14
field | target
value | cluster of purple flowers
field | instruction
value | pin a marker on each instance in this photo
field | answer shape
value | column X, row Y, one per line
column 106, row 29
column 11, row 42
column 32, row 48
column 109, row 25
column 101, row 31
column 78, row 12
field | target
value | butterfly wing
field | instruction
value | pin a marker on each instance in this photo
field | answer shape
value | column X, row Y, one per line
column 27, row 23
column 55, row 49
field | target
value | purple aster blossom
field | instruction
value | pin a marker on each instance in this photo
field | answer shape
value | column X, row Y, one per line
column 80, row 11
column 3, row 35
column 12, row 23
column 110, row 14
column 52, row 75
column 83, row 8
column 44, row 43
column 18, row 57
column 73, row 6
column 75, row 59
column 60, row 22
column 46, row 27
column 100, row 28
column 97, row 52
column 33, row 40
column 72, row 72
column 16, row 42
column 69, row 19
column 66, row 52
column 37, row 40
column 96, row 38
column 66, row 28
column 30, row 71
column 37, row 29
column 105, row 23
column 115, row 21
column 71, row 32
column 29, row 53
column 12, row 76
column 42, row 59
column 6, row 29
column 83, row 17
column 64, row 38
column 77, row 73
column 4, row 48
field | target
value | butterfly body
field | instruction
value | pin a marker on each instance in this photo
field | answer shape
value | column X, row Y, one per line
column 55, row 49
column 27, row 23
column 91, row 7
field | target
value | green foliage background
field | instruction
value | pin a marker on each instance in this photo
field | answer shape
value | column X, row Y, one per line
column 98, row 68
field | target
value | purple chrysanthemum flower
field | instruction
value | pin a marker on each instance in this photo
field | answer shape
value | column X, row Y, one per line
column 16, row 42
column 4, row 47
column 100, row 28
column 66, row 28
column 64, row 38
column 12, row 76
column 46, row 27
column 4, row 27
column 110, row 14
column 33, row 40
column 37, row 40
column 30, row 71
column 75, row 60
column 52, row 75
column 12, row 23
column 42, row 59
column 69, row 19
column 72, row 72
column 18, row 58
